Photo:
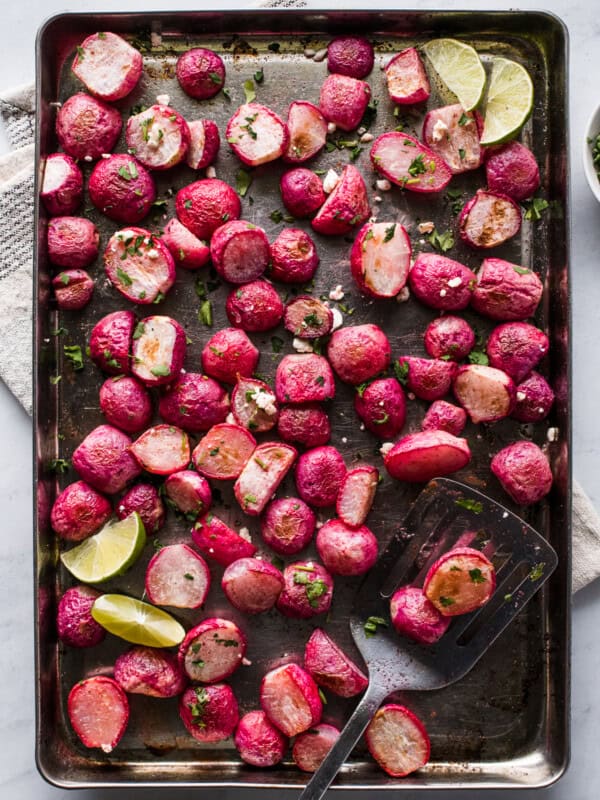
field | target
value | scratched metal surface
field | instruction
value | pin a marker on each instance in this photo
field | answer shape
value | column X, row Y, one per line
column 506, row 723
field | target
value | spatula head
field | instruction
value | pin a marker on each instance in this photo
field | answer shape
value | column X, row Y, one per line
column 446, row 514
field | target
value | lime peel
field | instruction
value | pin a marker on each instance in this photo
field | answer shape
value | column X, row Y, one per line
column 137, row 622
column 509, row 101
column 459, row 68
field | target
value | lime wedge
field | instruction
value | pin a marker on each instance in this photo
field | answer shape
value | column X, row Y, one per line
column 137, row 622
column 509, row 101
column 109, row 552
column 459, row 68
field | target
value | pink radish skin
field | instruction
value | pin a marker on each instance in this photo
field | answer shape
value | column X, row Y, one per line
column 74, row 622
column 523, row 471
column 356, row 495
column 149, row 671
column 398, row 741
column 162, row 450
column 256, row 134
column 441, row 282
column 308, row 317
column 506, row 291
column 304, row 378
column 254, row 405
column 177, row 576
column 158, row 350
column 512, row 170
column 258, row 742
column 240, row 251
column 201, row 73
column 194, row 402
column 252, row 585
column 99, row 712
column 301, row 192
column 380, row 259
column 224, row 452
column 419, row 457
column 122, row 189
column 189, row 492
column 414, row 616
column 449, row 337
column 307, row 129
column 381, row 406
column 331, row 668
column 350, row 55
column 145, row 276
column 203, row 206
column 187, row 250
column 212, row 650
column 487, row 394
column 407, row 80
column 454, row 134
column 62, row 185
column 145, row 500
column 311, row 747
column 262, row 474
column 228, row 354
column 103, row 460
column 428, row 378
column 359, row 352
column 443, row 416
column 72, row 242
column 86, row 127
column 488, row 220
column 204, row 143
column 290, row 699
column 343, row 101
column 79, row 511
column 254, row 307
column 126, row 404
column 534, row 399
column 319, row 476
column 219, row 542
column 159, row 136
column 306, row 424
column 294, row 257
column 209, row 713
column 344, row 550
column 397, row 156
column 73, row 289
column 460, row 581
column 307, row 590
column 108, row 66
column 288, row 525
column 516, row 348
column 346, row 208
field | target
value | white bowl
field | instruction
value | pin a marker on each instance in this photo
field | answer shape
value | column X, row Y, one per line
column 592, row 130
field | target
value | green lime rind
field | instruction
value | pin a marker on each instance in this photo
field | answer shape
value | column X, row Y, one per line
column 459, row 68
column 509, row 101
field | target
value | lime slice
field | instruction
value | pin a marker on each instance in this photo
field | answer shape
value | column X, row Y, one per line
column 459, row 68
column 509, row 101
column 137, row 622
column 109, row 552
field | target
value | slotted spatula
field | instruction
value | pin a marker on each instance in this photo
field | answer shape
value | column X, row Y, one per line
column 445, row 514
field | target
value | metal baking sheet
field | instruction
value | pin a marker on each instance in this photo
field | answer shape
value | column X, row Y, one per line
column 506, row 723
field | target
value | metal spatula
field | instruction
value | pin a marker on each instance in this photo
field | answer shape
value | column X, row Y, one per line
column 446, row 513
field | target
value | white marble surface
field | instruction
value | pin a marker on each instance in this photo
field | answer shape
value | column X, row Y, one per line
column 19, row 779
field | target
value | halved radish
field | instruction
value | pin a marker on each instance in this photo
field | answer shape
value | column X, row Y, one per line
column 307, row 129
column 308, row 317
column 347, row 206
column 415, row 616
column 486, row 393
column 158, row 350
column 110, row 342
column 290, row 699
column 139, row 265
column 380, row 258
column 204, row 143
column 311, row 747
column 99, row 712
column 223, row 453
column 331, row 668
column 240, row 251
column 73, row 289
column 419, row 457
column 162, row 450
column 256, row 134
column 428, row 378
column 87, row 128
column 307, row 590
column 343, row 100
column 177, row 576
column 254, row 405
column 151, row 671
column 159, row 136
column 397, row 740
column 200, row 72
column 406, row 78
column 252, row 585
column 356, row 495
column 453, row 134
column 405, row 161
column 209, row 713
column 212, row 650
column 264, row 471
column 189, row 493
column 443, row 416
column 187, row 250
column 218, row 541
column 121, row 188
column 258, row 741
column 460, row 581
column 506, row 291
column 489, row 219
column 304, row 378
column 62, row 185
column 288, row 525
column 109, row 66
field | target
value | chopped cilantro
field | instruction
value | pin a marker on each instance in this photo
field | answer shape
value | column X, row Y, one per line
column 464, row 120
column 446, row 601
column 370, row 626
column 401, row 369
column 441, row 241
column 471, row 505
column 461, row 153
column 160, row 371
column 537, row 571
column 276, row 344
column 259, row 75
column 535, row 207
column 478, row 357
column 123, row 277
column 320, row 380
column 249, row 90
column 198, row 707
column 521, row 270
column 216, row 78
column 205, row 315
column 243, row 181
column 276, row 216
column 477, row 575
column 74, row 355
column 389, row 233
column 187, row 203
column 59, row 465
column 417, row 166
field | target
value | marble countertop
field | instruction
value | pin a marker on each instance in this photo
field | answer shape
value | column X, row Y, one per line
column 18, row 775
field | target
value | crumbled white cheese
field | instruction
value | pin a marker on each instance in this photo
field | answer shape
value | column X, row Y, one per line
column 373, row 218
column 211, row 172
column 246, row 662
column 454, row 282
column 361, row 130
column 540, row 410
column 105, row 155
column 301, row 345
column 121, row 509
column 403, row 295
column 88, row 158
column 521, row 396
column 163, row 99
column 410, row 396
column 344, row 440
column 330, row 181
column 378, row 199
column 265, row 401
column 309, row 52
column 366, row 137
column 153, row 254
column 425, row 227
column 382, row 403
column 439, row 131
column 230, row 419
column 383, row 185
column 337, row 293
column 505, row 515
column 443, row 293
column 385, row 448
column 361, row 426
column 331, row 127
column 320, row 55
column 245, row 534
column 552, row 434
column 338, row 319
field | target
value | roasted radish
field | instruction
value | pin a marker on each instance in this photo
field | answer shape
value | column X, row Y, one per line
column 158, row 136
column 516, row 348
column 266, row 468
column 381, row 406
column 311, row 747
column 359, row 352
column 307, row 129
column 212, row 650
column 109, row 66
column 398, row 741
column 258, row 742
column 158, row 350
column 350, row 55
column 224, row 452
column 407, row 81
column 414, row 616
column 304, row 378
column 204, row 143
column 449, row 337
column 162, row 450
column 302, row 192
column 428, row 378
column 177, row 576
column 380, row 258
column 523, row 471
column 347, row 206
column 189, row 492
column 356, row 495
column 201, row 73
column 290, row 699
column 256, row 134
column 288, row 525
column 62, row 185
column 343, row 101
column 418, row 457
column 460, row 581
column 103, row 460
column 307, row 590
column 489, row 219
column 506, row 291
column 252, row 585
column 453, row 134
column 229, row 354
column 254, row 405
column 110, row 342
column 209, row 713
column 187, row 250
column 219, row 542
column 149, row 671
column 139, row 265
column 443, row 416
column 87, row 128
column 441, row 282
column 331, row 668
column 72, row 242
column 73, row 289
column 240, row 251
column 74, row 622
column 306, row 424
column 99, row 712
column 194, row 402
column 320, row 473
column 487, row 394
column 122, row 189
column 344, row 550
column 144, row 499
column 408, row 163
column 512, row 170
column 126, row 403
column 294, row 257
column 203, row 206
column 308, row 317
column 534, row 399
column 254, row 307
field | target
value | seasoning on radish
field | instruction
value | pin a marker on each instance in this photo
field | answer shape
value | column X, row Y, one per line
column 331, row 668
column 343, row 100
column 407, row 80
column 79, row 511
column 149, row 671
column 454, row 134
column 228, row 354
column 194, row 402
column 290, row 699
column 460, row 581
column 72, row 242
column 201, row 73
column 311, row 747
column 126, row 404
column 350, row 55
column 294, row 257
column 356, row 495
column 203, row 206
column 189, row 492
column 307, row 590
column 487, row 394
column 110, row 342
column 103, row 460
column 209, row 713
column 74, row 622
column 380, row 259
column 99, row 712
column 254, row 405
column 449, row 337
column 73, row 289
column 254, row 307
column 398, row 741
column 122, row 189
column 212, row 650
column 218, row 541
column 177, row 576
column 414, row 616
column 307, row 130
column 187, row 250
column 288, row 525
column 108, row 65
column 523, row 471
column 224, row 452
column 428, row 378
column 240, row 251
column 359, row 352
column 304, row 378
column 344, row 550
column 306, row 424
column 262, row 474
column 419, row 457
column 86, row 127
column 512, row 170
column 444, row 416
column 408, row 163
column 506, row 291
column 489, row 219
column 516, row 348
column 256, row 134
column 301, row 192
column 204, row 143
column 146, row 501
column 308, row 317
column 441, row 282
column 319, row 475
column 62, row 185
column 534, row 399
column 252, row 585
column 158, row 350
column 381, row 406
column 258, row 742
column 162, row 450
column 159, row 136
column 139, row 265
column 347, row 206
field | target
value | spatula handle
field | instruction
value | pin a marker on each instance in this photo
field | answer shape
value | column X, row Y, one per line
column 363, row 713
